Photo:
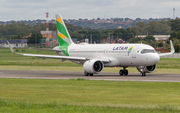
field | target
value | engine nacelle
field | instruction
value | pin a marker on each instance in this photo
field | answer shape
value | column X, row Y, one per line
column 93, row 66
column 147, row 69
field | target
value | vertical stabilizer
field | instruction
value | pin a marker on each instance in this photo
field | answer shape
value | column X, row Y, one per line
column 63, row 34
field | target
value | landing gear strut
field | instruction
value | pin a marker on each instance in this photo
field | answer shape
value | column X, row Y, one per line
column 87, row 74
column 123, row 72
column 142, row 73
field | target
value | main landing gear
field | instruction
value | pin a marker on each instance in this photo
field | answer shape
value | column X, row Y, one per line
column 87, row 74
column 123, row 71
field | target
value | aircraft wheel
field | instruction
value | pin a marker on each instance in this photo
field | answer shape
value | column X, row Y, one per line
column 85, row 73
column 121, row 72
column 91, row 74
column 143, row 74
column 125, row 72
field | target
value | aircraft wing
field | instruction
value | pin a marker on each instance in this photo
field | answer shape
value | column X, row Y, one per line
column 48, row 49
column 170, row 53
column 56, row 56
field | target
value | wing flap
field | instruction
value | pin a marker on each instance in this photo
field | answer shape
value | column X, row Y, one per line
column 59, row 50
column 56, row 57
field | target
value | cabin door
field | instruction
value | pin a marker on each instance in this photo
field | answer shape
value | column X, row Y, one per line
column 105, row 52
column 134, row 52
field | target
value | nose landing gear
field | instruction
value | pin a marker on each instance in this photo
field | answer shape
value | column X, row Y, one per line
column 142, row 73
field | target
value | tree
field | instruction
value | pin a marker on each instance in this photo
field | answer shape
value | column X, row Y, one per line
column 105, row 33
column 160, row 44
column 163, row 28
column 175, row 24
column 135, row 40
column 149, row 38
column 98, row 19
column 35, row 38
column 96, row 37
column 37, row 28
column 124, row 34
column 140, row 24
column 175, row 34
column 176, row 43
column 151, row 27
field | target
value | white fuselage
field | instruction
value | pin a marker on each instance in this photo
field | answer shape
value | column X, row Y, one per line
column 118, row 54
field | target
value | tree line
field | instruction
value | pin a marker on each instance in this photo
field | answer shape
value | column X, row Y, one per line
column 172, row 27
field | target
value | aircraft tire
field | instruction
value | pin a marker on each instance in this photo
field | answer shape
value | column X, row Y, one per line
column 143, row 74
column 121, row 72
column 125, row 72
column 85, row 73
column 91, row 74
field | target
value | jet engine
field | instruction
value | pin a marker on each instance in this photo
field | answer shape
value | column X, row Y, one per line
column 93, row 66
column 147, row 69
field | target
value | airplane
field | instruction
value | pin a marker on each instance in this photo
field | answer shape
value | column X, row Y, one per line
column 94, row 57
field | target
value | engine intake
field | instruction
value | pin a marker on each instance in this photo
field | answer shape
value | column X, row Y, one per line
column 147, row 69
column 93, row 66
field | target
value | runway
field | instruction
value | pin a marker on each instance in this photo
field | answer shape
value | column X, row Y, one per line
column 29, row 74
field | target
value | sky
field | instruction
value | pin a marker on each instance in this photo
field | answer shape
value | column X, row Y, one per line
column 87, row 9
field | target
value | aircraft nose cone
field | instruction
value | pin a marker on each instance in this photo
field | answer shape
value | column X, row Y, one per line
column 155, row 59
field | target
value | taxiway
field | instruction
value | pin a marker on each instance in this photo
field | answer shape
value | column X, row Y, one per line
column 29, row 74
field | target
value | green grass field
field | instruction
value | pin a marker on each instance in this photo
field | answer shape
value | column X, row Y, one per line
column 81, row 95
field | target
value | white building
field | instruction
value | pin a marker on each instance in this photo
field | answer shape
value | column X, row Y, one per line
column 14, row 43
column 157, row 37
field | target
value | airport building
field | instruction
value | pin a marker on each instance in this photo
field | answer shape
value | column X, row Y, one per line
column 14, row 43
column 52, row 35
column 157, row 37
column 52, row 39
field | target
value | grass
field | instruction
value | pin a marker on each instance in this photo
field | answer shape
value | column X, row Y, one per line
column 7, row 58
column 17, row 62
column 170, row 63
column 82, row 95
column 8, row 106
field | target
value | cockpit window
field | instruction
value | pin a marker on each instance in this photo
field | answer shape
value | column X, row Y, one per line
column 148, row 51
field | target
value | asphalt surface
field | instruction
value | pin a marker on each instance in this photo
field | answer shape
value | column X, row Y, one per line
column 28, row 74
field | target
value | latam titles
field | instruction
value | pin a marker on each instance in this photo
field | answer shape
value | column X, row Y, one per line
column 120, row 48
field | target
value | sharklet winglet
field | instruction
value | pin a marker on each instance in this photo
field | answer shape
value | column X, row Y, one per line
column 12, row 49
column 172, row 47
column 170, row 53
